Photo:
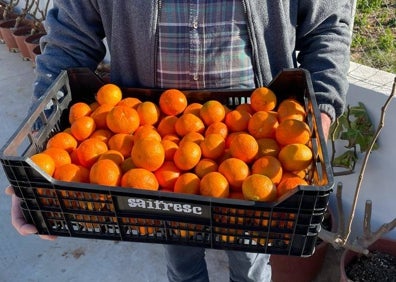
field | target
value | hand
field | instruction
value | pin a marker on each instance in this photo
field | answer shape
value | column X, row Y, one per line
column 18, row 220
column 326, row 123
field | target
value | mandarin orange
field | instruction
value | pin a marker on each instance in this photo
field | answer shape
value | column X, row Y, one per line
column 172, row 102
column 148, row 154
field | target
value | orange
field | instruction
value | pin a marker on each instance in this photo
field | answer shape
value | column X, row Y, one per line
column 109, row 94
column 263, row 99
column 105, row 172
column 292, row 131
column 244, row 146
column 237, row 120
column 148, row 112
column 205, row 166
column 258, row 187
column 268, row 166
column 217, row 127
column 122, row 143
column 72, row 173
column 131, row 102
column 187, row 183
column 60, row 156
column 172, row 102
column 102, row 134
column 170, row 148
column 127, row 164
column 212, row 111
column 140, row 178
column 214, row 184
column 116, row 156
column 166, row 125
column 74, row 157
column 193, row 137
column 237, row 196
column 94, row 105
column 99, row 115
column 146, row 131
column 172, row 137
column 189, row 123
column 289, row 182
column 78, row 110
column 245, row 107
column 231, row 136
column 262, row 125
column 295, row 157
column 236, row 171
column 83, row 127
column 167, row 175
column 187, row 155
column 62, row 140
column 212, row 146
column 291, row 109
column 268, row 147
column 89, row 151
column 122, row 119
column 193, row 108
column 148, row 154
column 45, row 162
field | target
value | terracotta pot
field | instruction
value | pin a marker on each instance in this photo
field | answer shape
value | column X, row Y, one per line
column 300, row 269
column 2, row 20
column 35, row 52
column 32, row 42
column 382, row 245
column 6, row 29
column 19, row 36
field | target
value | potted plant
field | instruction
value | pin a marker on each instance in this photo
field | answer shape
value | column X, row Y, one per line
column 379, row 264
column 370, row 244
column 27, row 38
column 7, row 28
column 6, row 13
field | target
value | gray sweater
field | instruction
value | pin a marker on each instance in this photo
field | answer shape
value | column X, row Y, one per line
column 312, row 34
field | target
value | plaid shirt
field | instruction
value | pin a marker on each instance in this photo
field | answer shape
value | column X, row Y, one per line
column 204, row 44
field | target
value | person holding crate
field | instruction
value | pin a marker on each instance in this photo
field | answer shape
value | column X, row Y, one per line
column 200, row 45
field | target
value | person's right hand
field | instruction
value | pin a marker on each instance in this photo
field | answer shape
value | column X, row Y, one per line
column 18, row 220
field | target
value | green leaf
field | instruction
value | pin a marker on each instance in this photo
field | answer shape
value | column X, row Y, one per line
column 346, row 160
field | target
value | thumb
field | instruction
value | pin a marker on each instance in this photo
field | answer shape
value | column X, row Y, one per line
column 9, row 191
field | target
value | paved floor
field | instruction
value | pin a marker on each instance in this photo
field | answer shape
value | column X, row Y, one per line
column 69, row 259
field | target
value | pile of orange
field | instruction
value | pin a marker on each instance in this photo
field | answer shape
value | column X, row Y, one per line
column 257, row 151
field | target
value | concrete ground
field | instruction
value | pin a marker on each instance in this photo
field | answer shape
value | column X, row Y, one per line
column 70, row 259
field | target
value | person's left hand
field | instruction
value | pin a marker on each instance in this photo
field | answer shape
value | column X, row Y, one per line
column 326, row 123
column 18, row 220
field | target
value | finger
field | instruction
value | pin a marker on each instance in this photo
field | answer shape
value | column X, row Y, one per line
column 48, row 237
column 9, row 190
column 18, row 220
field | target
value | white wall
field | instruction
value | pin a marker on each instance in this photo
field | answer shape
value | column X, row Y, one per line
column 379, row 182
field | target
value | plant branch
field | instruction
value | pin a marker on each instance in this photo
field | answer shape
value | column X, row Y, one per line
column 366, row 157
column 340, row 211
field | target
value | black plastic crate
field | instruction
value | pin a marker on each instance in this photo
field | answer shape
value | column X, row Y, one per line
column 289, row 226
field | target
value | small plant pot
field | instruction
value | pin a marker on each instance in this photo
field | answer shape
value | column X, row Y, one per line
column 301, row 269
column 35, row 52
column 19, row 36
column 2, row 20
column 7, row 28
column 32, row 42
column 348, row 257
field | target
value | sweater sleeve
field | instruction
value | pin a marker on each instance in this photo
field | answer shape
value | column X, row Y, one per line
column 74, row 39
column 323, row 41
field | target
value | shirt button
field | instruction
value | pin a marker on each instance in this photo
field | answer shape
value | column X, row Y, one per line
column 195, row 77
column 195, row 24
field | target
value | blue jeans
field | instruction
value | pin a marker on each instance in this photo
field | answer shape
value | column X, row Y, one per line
column 188, row 264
